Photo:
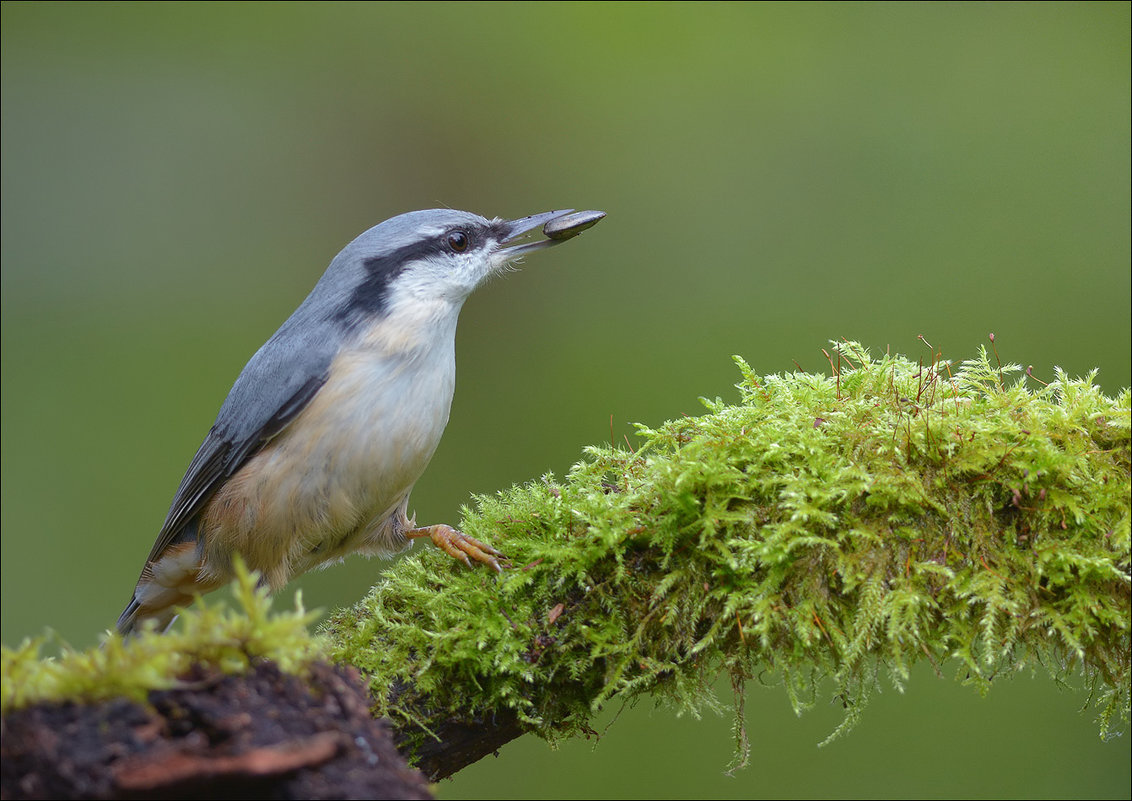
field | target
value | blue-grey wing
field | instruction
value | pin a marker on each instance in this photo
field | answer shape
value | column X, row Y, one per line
column 275, row 386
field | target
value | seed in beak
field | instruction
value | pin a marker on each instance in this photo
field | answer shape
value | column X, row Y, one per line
column 572, row 224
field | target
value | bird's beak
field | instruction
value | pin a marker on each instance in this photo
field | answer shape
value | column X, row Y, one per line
column 557, row 226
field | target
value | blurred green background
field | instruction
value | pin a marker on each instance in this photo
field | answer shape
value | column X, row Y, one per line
column 176, row 177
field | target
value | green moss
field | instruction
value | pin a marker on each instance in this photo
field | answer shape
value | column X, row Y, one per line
column 842, row 527
column 228, row 639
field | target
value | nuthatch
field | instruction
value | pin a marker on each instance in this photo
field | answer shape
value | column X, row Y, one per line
column 327, row 428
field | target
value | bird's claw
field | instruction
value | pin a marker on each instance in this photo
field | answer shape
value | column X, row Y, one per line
column 460, row 546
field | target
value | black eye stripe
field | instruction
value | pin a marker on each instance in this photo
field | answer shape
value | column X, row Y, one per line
column 370, row 296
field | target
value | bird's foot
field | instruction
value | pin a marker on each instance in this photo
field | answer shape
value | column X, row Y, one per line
column 460, row 546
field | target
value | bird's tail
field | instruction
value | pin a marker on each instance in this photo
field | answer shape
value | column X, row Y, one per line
column 133, row 615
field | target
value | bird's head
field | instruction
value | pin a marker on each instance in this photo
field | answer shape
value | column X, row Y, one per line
column 434, row 257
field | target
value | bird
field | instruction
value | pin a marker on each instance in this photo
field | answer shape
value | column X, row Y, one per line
column 321, row 438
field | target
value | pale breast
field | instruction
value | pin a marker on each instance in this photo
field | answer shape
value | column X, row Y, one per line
column 348, row 459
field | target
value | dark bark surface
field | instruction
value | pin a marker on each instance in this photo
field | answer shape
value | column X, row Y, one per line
column 260, row 735
column 461, row 742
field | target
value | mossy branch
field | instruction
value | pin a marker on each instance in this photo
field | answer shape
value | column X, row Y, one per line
column 843, row 527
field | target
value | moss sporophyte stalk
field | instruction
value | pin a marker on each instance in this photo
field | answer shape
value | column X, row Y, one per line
column 842, row 527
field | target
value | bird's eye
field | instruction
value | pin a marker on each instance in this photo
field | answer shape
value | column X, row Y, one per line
column 458, row 241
